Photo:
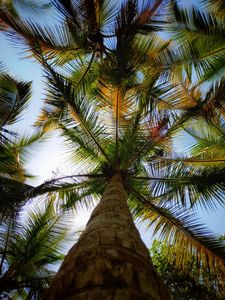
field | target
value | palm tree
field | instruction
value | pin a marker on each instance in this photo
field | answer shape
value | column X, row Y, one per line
column 136, row 161
column 31, row 238
column 195, row 28
column 31, row 246
column 14, row 149
column 14, row 96
column 113, row 104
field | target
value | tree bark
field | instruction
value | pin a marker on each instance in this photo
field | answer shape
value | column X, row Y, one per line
column 109, row 261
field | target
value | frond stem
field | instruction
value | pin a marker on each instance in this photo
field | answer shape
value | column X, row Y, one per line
column 87, row 69
column 55, row 180
column 159, row 178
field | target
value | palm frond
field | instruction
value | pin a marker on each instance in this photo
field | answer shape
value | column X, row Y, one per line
column 195, row 29
column 81, row 149
column 14, row 97
column 184, row 184
column 72, row 191
column 183, row 230
column 216, row 6
column 26, row 144
column 34, row 245
column 62, row 94
column 56, row 42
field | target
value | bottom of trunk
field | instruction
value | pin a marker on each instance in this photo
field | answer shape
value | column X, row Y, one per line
column 108, row 273
column 110, row 261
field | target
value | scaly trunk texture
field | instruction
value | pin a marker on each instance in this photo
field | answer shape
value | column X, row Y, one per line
column 109, row 261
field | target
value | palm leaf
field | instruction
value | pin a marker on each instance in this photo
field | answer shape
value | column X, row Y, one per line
column 197, row 29
column 178, row 227
column 33, row 247
column 216, row 6
column 14, row 98
column 63, row 96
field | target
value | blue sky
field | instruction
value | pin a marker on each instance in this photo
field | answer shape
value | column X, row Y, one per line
column 50, row 157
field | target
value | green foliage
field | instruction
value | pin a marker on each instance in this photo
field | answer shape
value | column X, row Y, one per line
column 187, row 282
column 195, row 28
column 31, row 248
column 15, row 150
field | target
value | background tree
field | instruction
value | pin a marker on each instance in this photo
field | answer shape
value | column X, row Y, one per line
column 186, row 282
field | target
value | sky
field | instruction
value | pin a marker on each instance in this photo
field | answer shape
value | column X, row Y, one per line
column 50, row 157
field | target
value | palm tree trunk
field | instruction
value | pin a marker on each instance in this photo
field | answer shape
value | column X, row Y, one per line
column 109, row 261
